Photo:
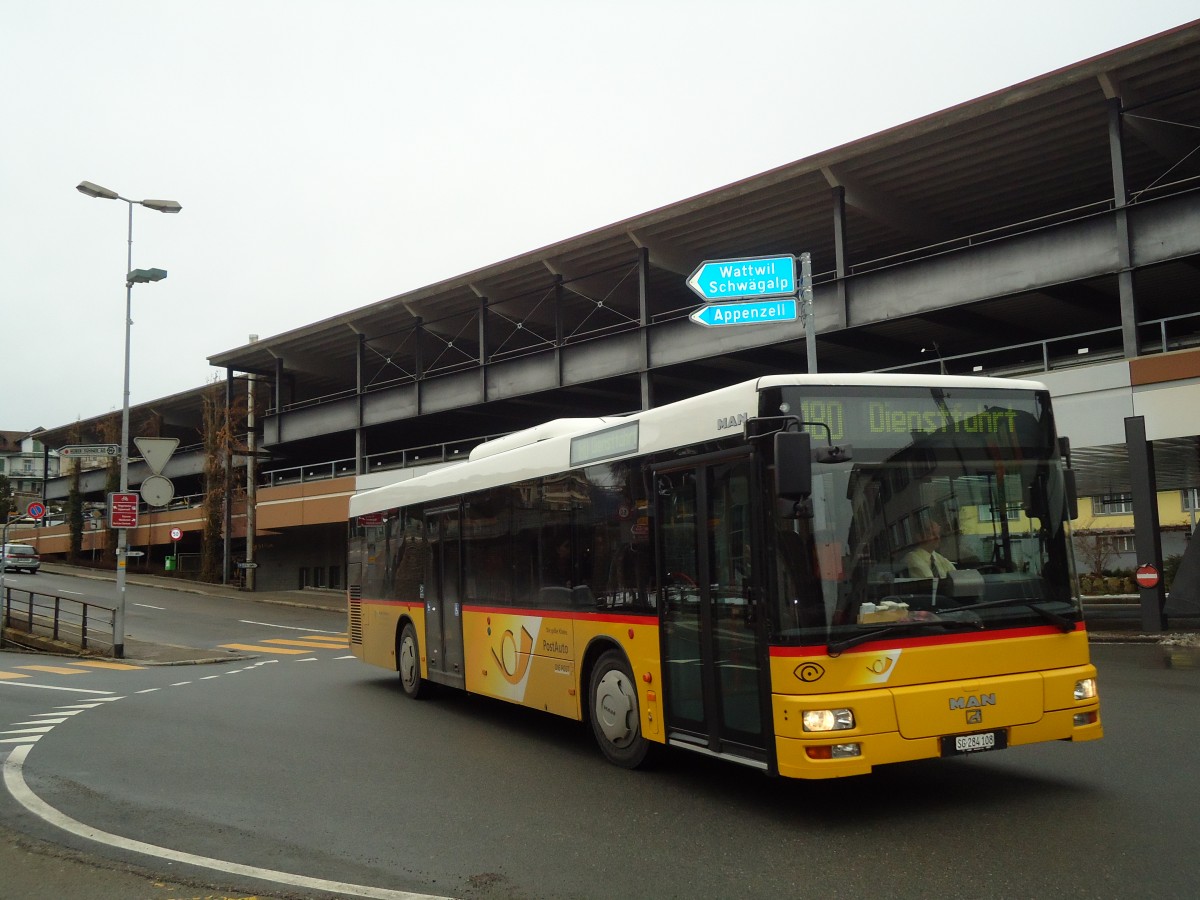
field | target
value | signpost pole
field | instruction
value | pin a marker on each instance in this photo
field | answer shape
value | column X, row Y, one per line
column 806, row 298
column 122, row 534
column 3, row 592
column 3, row 598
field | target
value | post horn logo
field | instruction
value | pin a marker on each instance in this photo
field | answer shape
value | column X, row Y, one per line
column 513, row 663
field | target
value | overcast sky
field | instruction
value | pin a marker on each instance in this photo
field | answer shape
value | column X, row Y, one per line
column 332, row 153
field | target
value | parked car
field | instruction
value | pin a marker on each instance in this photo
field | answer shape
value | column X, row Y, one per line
column 21, row 558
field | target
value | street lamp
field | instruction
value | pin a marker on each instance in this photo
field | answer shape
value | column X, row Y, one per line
column 134, row 276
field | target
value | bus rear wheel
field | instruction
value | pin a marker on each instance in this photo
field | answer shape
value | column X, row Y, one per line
column 408, row 662
column 616, row 720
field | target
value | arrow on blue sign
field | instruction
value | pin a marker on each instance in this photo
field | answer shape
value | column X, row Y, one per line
column 733, row 279
column 762, row 313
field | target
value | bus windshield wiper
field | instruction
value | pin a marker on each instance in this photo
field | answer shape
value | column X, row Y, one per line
column 835, row 648
column 1060, row 621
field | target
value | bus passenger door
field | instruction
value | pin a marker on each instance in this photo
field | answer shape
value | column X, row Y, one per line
column 712, row 658
column 443, row 598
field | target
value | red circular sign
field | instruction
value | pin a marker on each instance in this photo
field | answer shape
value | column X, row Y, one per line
column 176, row 534
column 1147, row 576
column 35, row 510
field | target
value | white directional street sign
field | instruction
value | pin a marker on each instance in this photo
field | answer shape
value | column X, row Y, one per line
column 72, row 450
column 156, row 451
column 744, row 279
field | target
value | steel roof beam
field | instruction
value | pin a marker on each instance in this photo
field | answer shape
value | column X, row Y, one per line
column 888, row 210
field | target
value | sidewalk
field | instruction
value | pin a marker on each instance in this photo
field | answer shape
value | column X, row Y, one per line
column 173, row 654
column 311, row 597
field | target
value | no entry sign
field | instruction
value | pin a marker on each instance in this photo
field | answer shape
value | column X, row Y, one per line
column 1147, row 576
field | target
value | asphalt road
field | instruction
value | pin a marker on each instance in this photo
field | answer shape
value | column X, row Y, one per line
column 313, row 766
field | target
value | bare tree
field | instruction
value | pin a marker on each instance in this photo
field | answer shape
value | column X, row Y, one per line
column 7, row 504
column 220, row 443
column 1095, row 551
column 75, row 502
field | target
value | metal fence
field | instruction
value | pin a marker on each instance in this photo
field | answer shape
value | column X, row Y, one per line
column 77, row 623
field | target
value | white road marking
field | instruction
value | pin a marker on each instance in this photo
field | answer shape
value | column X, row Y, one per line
column 287, row 627
column 14, row 780
column 148, row 606
column 51, row 687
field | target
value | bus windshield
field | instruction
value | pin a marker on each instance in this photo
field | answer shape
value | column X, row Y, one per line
column 950, row 515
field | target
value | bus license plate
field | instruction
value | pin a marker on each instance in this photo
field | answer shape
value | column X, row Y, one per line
column 957, row 744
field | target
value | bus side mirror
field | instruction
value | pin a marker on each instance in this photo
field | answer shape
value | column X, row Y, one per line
column 793, row 465
column 1070, row 490
column 1035, row 506
column 1072, row 493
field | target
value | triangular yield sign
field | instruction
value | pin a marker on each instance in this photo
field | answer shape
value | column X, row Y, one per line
column 156, row 451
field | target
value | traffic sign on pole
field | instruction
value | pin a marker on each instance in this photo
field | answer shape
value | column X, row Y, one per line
column 763, row 312
column 1147, row 576
column 35, row 510
column 157, row 490
column 122, row 510
column 72, row 450
column 156, row 451
column 745, row 279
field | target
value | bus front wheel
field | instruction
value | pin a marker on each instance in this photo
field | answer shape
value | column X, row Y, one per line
column 408, row 661
column 616, row 721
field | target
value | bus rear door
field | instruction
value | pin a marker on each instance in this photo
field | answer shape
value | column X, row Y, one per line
column 443, row 598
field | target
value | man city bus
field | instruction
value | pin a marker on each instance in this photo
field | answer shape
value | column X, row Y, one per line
column 737, row 574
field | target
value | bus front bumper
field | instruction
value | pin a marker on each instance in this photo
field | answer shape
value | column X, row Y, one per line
column 835, row 756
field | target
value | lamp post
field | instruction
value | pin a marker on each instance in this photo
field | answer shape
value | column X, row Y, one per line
column 134, row 276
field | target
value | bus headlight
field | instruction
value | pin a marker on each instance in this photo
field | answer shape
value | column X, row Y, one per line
column 1085, row 689
column 827, row 719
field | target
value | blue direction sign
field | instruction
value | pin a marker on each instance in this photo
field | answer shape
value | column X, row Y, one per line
column 734, row 279
column 763, row 312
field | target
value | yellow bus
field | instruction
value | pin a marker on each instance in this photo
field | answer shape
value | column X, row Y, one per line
column 733, row 574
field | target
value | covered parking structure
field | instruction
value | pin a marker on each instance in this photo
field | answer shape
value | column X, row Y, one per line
column 1046, row 228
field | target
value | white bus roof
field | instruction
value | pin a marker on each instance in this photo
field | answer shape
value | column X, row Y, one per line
column 546, row 449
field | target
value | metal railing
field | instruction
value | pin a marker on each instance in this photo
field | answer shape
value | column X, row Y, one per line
column 67, row 620
column 1066, row 351
column 450, row 451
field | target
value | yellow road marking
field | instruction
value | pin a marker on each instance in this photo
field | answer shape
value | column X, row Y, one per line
column 53, row 670
column 259, row 648
column 10, row 675
column 312, row 642
column 102, row 664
